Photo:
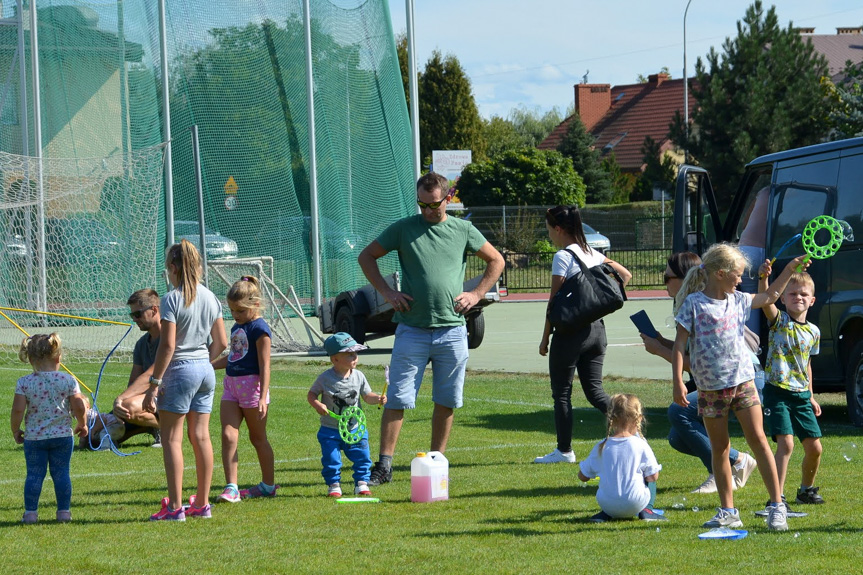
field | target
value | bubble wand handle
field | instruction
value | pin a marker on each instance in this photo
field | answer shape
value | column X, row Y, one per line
column 386, row 382
column 785, row 246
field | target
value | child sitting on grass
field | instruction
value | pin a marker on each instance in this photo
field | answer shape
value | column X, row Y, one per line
column 625, row 464
column 340, row 387
column 789, row 406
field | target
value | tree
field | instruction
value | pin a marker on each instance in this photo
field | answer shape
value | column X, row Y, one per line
column 761, row 95
column 660, row 170
column 501, row 136
column 449, row 119
column 534, row 125
column 578, row 146
column 521, row 177
column 404, row 65
column 621, row 184
column 846, row 114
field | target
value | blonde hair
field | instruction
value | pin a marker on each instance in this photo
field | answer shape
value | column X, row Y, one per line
column 624, row 412
column 719, row 257
column 246, row 293
column 187, row 261
column 803, row 279
column 40, row 347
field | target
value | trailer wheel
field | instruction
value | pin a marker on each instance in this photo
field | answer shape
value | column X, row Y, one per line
column 854, row 385
column 352, row 324
column 475, row 330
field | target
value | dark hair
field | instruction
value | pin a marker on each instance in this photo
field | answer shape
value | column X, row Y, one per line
column 682, row 262
column 568, row 218
column 431, row 181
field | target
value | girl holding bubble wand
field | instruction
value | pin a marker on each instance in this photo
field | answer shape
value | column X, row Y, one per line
column 45, row 401
column 246, row 392
column 712, row 313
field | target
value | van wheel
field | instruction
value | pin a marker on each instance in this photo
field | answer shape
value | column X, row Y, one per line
column 352, row 324
column 854, row 385
column 475, row 330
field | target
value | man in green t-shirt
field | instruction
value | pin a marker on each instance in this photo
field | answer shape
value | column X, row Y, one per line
column 430, row 310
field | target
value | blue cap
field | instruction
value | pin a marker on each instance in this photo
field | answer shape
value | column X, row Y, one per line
column 341, row 341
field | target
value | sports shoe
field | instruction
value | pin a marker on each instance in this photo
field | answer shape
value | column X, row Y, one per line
column 809, row 496
column 741, row 470
column 166, row 514
column 380, row 474
column 257, row 491
column 30, row 517
column 202, row 512
column 334, row 490
column 601, row 517
column 362, row 488
column 788, row 511
column 556, row 456
column 776, row 518
column 707, row 486
column 64, row 516
column 230, row 495
column 648, row 514
column 723, row 518
column 157, row 438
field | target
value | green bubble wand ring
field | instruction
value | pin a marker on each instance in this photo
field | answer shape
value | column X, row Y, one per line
column 352, row 424
column 819, row 251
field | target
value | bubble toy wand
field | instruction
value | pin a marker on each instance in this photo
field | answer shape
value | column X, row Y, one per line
column 386, row 382
column 791, row 240
column 815, row 250
column 349, row 433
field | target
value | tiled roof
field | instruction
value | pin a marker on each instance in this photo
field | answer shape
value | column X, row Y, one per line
column 838, row 49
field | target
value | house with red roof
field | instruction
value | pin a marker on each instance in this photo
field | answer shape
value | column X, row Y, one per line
column 620, row 117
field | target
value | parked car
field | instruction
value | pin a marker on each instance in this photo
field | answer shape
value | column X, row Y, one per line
column 219, row 247
column 286, row 237
column 596, row 240
column 79, row 239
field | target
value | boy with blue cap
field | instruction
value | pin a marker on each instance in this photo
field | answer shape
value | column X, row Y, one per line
column 338, row 388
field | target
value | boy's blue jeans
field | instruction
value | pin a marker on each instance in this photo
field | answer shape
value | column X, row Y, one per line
column 331, row 459
column 54, row 454
column 687, row 434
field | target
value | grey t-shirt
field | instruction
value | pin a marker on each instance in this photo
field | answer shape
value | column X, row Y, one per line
column 144, row 353
column 193, row 322
column 337, row 392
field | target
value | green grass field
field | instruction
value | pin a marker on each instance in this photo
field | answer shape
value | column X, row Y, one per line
column 505, row 515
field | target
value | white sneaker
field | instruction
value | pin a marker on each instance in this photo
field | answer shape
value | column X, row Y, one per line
column 334, row 490
column 741, row 470
column 723, row 518
column 362, row 488
column 776, row 518
column 709, row 485
column 556, row 456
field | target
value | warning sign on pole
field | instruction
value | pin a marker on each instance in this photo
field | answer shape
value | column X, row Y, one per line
column 231, row 186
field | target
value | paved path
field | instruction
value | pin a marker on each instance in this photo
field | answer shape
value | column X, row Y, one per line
column 513, row 329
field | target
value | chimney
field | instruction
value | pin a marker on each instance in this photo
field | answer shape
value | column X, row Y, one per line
column 658, row 79
column 843, row 31
column 592, row 101
column 805, row 31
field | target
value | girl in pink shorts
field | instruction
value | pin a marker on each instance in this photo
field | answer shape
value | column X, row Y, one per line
column 247, row 390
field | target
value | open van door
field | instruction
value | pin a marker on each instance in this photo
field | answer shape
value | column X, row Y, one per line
column 696, row 219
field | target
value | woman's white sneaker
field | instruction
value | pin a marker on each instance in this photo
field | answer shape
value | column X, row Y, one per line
column 557, row 456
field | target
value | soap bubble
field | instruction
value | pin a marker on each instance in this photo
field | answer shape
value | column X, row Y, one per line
column 848, row 450
column 669, row 322
column 766, row 412
column 657, row 529
column 796, row 535
column 695, row 508
column 679, row 503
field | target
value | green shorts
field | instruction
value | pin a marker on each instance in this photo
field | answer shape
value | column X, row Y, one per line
column 790, row 413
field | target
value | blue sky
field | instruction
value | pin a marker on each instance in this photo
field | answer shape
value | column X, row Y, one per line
column 531, row 53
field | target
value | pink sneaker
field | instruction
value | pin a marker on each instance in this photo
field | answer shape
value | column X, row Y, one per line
column 256, row 491
column 230, row 495
column 202, row 512
column 166, row 514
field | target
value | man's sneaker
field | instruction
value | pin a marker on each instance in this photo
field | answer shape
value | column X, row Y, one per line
column 334, row 490
column 157, row 438
column 809, row 496
column 776, row 518
column 30, row 517
column 741, row 470
column 167, row 514
column 230, row 495
column 788, row 511
column 707, row 486
column 380, row 474
column 601, row 517
column 64, row 516
column 202, row 512
column 556, row 456
column 648, row 514
column 362, row 488
column 257, row 491
column 723, row 518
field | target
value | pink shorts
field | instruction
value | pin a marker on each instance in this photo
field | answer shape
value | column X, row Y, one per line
column 719, row 402
column 244, row 389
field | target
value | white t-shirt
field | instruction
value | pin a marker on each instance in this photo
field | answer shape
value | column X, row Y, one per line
column 565, row 265
column 621, row 467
